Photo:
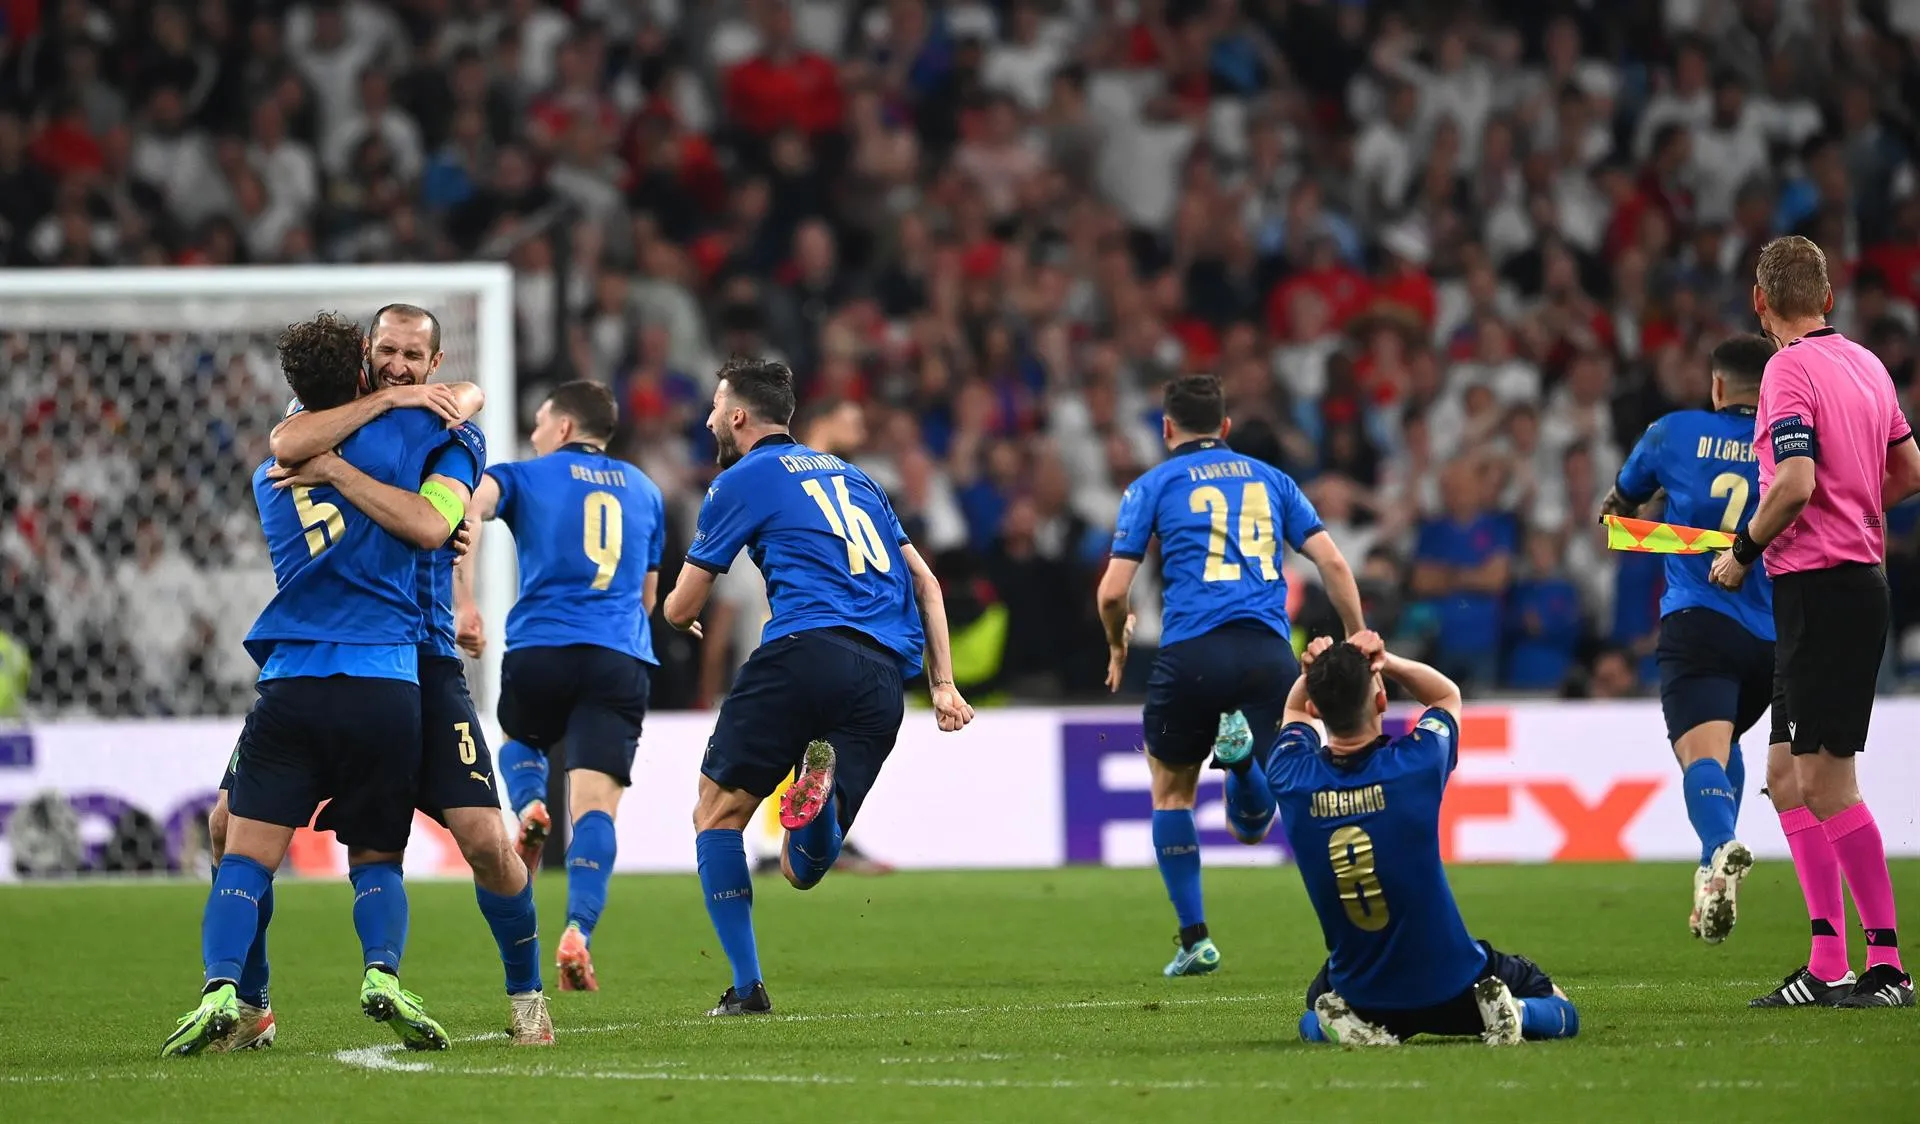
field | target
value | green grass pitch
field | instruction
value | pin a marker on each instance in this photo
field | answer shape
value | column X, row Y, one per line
column 944, row 997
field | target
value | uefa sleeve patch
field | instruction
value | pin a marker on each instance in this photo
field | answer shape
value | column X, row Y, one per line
column 1792, row 437
column 1434, row 725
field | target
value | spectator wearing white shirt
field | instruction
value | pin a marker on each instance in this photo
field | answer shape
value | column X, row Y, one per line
column 176, row 159
column 331, row 43
column 1728, row 150
column 160, row 594
column 1384, row 156
column 285, row 165
column 1024, row 63
column 376, row 116
column 1788, row 117
column 1686, row 100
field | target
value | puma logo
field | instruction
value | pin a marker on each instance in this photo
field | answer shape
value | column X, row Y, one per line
column 481, row 777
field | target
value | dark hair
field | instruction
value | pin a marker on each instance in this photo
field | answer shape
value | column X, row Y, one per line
column 589, row 404
column 1742, row 359
column 409, row 312
column 322, row 359
column 1195, row 405
column 764, row 387
column 1340, row 684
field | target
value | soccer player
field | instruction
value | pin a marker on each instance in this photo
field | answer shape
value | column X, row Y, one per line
column 1226, row 642
column 823, row 691
column 1362, row 812
column 589, row 530
column 1833, row 446
column 1716, row 647
column 456, row 779
column 338, row 714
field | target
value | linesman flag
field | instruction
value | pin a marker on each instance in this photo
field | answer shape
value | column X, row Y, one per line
column 1649, row 536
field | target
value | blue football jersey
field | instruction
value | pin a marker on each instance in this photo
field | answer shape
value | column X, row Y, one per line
column 347, row 600
column 1706, row 461
column 1220, row 518
column 1365, row 830
column 464, row 461
column 588, row 529
column 824, row 537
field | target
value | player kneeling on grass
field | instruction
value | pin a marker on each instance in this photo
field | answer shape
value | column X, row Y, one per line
column 1362, row 814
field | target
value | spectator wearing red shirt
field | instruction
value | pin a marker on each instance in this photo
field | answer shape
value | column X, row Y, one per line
column 1345, row 290
column 783, row 86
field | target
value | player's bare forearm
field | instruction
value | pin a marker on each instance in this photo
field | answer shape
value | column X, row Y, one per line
column 1617, row 503
column 309, row 433
column 688, row 597
column 1426, row 684
column 1296, row 705
column 1786, row 498
column 933, row 618
column 1902, row 479
column 485, row 503
column 1115, row 596
column 408, row 516
column 1336, row 577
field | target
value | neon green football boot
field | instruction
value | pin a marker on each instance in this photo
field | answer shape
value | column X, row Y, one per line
column 383, row 1000
column 209, row 1023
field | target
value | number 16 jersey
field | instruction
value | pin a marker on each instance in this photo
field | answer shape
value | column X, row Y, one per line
column 825, row 539
column 1365, row 832
column 588, row 529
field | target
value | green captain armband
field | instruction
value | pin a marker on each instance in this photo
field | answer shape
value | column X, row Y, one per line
column 452, row 507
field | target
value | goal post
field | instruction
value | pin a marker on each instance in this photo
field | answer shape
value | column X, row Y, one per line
column 180, row 357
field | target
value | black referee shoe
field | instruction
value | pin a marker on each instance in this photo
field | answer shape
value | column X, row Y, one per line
column 756, row 1002
column 1882, row 985
column 1802, row 988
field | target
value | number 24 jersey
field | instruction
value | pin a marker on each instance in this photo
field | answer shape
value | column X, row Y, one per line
column 588, row 529
column 1365, row 831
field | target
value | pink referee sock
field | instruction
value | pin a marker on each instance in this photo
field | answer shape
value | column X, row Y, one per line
column 1863, row 858
column 1818, row 868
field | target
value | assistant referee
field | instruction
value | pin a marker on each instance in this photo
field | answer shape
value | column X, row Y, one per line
column 1834, row 448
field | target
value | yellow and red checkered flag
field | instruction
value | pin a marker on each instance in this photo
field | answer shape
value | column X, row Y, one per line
column 1650, row 536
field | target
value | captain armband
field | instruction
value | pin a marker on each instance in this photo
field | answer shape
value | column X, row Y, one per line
column 450, row 506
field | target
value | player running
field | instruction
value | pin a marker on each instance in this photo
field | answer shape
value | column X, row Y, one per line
column 1362, row 812
column 338, row 714
column 823, row 691
column 1225, row 644
column 1716, row 647
column 589, row 530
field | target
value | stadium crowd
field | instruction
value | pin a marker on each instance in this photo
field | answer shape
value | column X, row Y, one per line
column 1448, row 258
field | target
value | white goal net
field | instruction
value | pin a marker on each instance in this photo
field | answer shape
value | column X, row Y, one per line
column 135, row 405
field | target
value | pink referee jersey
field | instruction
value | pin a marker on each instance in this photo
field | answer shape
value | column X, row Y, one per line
column 1828, row 398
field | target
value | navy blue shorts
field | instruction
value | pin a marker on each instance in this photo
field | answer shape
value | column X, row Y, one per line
column 352, row 743
column 1713, row 670
column 595, row 698
column 1241, row 666
column 456, row 769
column 822, row 684
column 1457, row 1016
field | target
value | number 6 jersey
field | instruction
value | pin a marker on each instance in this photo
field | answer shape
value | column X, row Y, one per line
column 1220, row 518
column 588, row 529
column 825, row 539
column 1365, row 832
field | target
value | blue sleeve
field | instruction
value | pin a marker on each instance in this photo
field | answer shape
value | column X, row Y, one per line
column 1435, row 740
column 1134, row 525
column 1640, row 477
column 1297, row 740
column 726, row 522
column 1299, row 521
column 507, row 476
column 657, row 541
column 455, row 461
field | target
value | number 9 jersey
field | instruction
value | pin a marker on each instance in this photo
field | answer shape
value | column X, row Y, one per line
column 1365, row 831
column 1220, row 517
column 1706, row 461
column 588, row 529
column 825, row 539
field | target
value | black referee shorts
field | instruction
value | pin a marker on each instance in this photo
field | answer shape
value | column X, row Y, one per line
column 1832, row 626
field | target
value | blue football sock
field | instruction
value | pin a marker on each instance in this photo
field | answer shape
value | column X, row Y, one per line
column 1310, row 1028
column 728, row 886
column 1737, row 777
column 253, row 975
column 525, row 769
column 1709, row 805
column 812, row 850
column 380, row 913
column 1552, row 1017
column 1176, row 844
column 516, row 929
column 1250, row 803
column 232, row 916
column 589, row 866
